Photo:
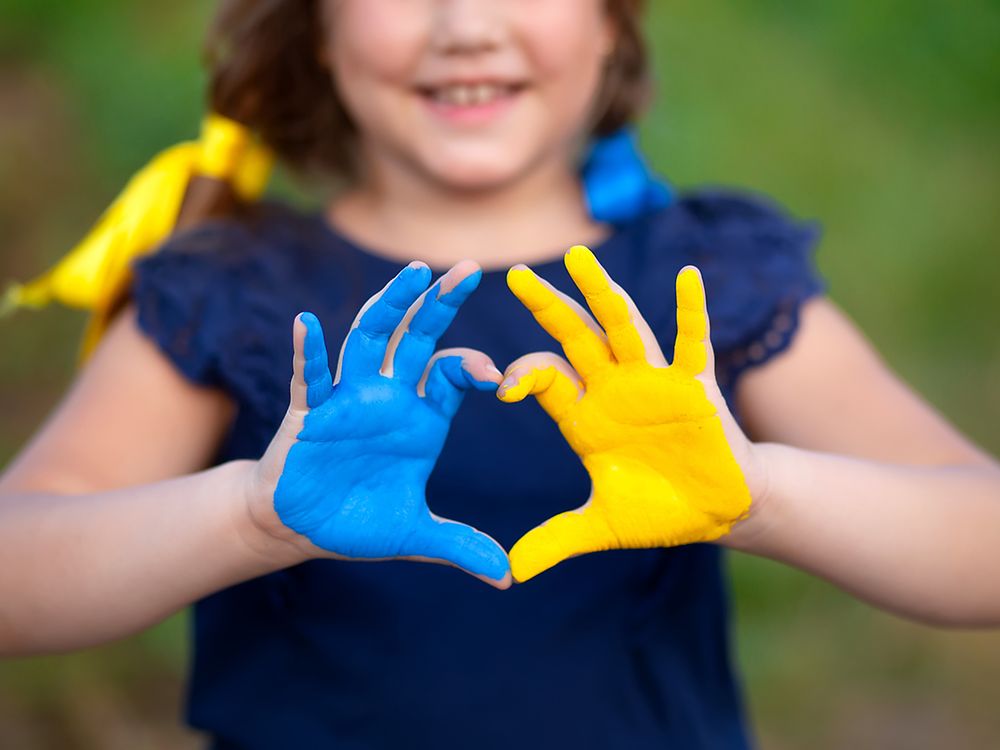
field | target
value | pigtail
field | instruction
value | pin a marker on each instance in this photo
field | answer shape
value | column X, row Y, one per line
column 95, row 274
column 220, row 174
column 268, row 84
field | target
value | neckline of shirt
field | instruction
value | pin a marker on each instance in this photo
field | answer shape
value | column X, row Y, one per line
column 334, row 233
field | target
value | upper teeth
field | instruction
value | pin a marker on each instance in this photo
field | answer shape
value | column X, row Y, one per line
column 464, row 95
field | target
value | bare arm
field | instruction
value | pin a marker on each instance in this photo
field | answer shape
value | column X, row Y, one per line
column 95, row 541
column 93, row 548
column 880, row 495
column 82, row 570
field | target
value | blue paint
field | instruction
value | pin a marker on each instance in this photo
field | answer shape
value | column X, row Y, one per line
column 355, row 481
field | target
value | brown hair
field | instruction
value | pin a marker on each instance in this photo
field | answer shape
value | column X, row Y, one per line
column 265, row 72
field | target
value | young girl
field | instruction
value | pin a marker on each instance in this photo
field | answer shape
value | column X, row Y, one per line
column 455, row 129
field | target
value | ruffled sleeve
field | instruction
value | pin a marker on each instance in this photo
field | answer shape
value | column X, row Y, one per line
column 185, row 296
column 759, row 268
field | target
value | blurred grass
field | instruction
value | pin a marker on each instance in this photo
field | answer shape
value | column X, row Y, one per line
column 880, row 119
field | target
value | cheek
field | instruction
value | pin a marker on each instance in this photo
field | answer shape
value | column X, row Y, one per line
column 569, row 62
column 372, row 43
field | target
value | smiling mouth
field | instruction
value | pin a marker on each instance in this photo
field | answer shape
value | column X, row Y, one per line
column 470, row 94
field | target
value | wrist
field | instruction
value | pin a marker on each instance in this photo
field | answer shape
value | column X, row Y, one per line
column 752, row 533
column 257, row 523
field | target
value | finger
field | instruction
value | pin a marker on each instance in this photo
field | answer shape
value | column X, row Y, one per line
column 364, row 348
column 546, row 376
column 692, row 349
column 452, row 372
column 461, row 545
column 566, row 535
column 415, row 338
column 567, row 323
column 311, row 381
column 629, row 336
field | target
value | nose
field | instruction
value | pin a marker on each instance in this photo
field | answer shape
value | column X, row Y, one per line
column 468, row 26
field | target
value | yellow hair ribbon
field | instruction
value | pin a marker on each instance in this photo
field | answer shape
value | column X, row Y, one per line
column 94, row 274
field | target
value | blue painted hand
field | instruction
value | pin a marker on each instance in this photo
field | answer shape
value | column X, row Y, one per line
column 350, row 468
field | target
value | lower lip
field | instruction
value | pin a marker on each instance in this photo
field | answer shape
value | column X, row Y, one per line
column 471, row 114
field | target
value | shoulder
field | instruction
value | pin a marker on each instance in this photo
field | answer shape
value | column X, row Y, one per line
column 213, row 269
column 228, row 243
column 756, row 258
column 211, row 288
column 727, row 224
column 749, row 248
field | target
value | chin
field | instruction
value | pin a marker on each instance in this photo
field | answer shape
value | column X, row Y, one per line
column 472, row 180
column 479, row 173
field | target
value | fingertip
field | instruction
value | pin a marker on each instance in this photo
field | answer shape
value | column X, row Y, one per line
column 481, row 373
column 313, row 341
column 580, row 258
column 419, row 271
column 534, row 553
column 691, row 272
column 489, row 382
column 516, row 387
column 690, row 288
column 463, row 288
column 493, row 371
column 409, row 283
column 500, row 575
column 529, row 289
column 544, row 547
column 579, row 253
column 299, row 330
column 501, row 584
column 468, row 266
column 585, row 270
column 483, row 556
column 517, row 276
column 403, row 291
column 522, row 571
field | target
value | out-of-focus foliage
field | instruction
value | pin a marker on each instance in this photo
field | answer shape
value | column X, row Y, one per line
column 878, row 119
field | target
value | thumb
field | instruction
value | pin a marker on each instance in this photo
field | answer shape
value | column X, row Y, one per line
column 464, row 547
column 575, row 532
column 311, row 380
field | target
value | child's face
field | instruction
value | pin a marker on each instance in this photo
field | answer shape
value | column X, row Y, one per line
column 471, row 94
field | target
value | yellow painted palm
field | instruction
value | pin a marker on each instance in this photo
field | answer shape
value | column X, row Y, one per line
column 657, row 440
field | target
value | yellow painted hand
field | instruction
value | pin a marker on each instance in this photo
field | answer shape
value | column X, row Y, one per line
column 665, row 457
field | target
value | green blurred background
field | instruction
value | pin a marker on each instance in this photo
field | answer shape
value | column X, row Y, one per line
column 880, row 119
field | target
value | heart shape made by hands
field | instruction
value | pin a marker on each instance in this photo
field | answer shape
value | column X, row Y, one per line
column 665, row 457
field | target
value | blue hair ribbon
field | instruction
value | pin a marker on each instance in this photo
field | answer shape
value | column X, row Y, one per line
column 618, row 184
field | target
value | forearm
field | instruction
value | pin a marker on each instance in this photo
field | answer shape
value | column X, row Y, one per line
column 923, row 542
column 77, row 570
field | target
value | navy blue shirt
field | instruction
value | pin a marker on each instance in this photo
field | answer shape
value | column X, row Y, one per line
column 625, row 649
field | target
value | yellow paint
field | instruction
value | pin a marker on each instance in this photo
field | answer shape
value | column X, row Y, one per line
column 662, row 472
column 582, row 345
